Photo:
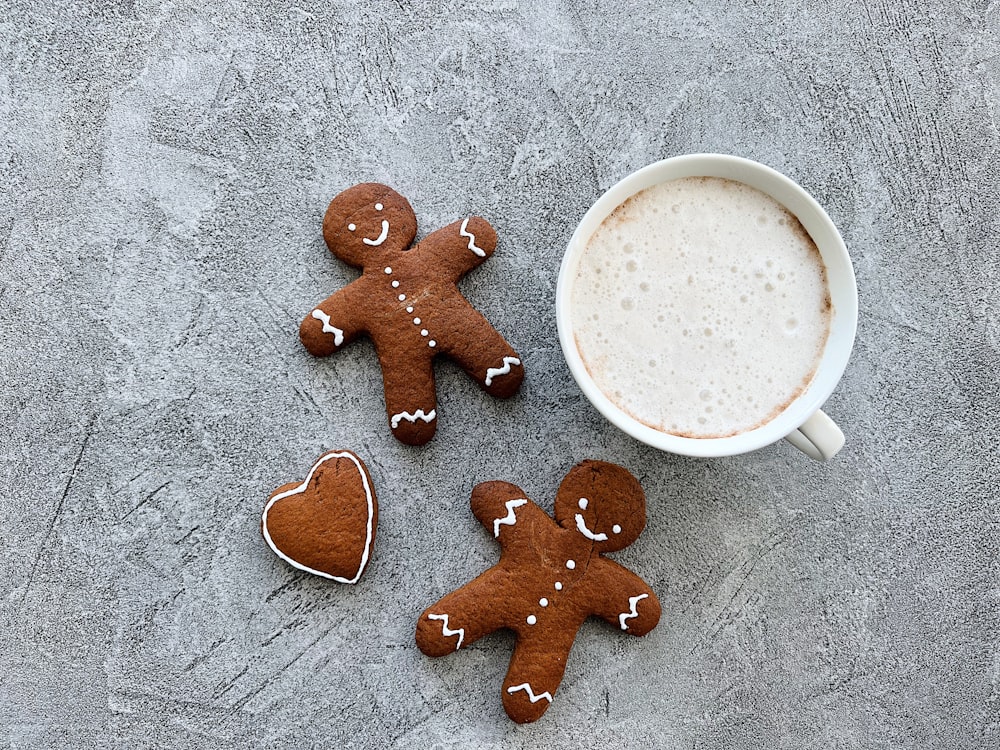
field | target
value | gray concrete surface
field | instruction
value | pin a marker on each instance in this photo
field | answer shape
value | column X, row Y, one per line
column 165, row 167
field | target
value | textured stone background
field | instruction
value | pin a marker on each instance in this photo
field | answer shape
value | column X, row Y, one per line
column 165, row 167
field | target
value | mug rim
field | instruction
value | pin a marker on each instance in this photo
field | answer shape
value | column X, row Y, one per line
column 841, row 282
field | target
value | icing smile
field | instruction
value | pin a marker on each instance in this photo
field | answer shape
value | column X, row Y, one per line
column 381, row 238
column 582, row 527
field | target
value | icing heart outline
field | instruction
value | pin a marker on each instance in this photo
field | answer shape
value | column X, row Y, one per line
column 302, row 488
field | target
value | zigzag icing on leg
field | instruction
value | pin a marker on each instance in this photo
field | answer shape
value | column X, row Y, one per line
column 338, row 334
column 531, row 693
column 418, row 414
column 445, row 630
column 472, row 240
column 510, row 519
column 493, row 372
column 632, row 601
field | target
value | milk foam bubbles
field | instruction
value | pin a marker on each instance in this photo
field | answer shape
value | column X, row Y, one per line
column 700, row 307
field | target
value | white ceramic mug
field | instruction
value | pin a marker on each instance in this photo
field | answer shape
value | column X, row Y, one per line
column 802, row 422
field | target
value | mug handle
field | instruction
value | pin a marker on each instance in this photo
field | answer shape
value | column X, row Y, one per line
column 818, row 437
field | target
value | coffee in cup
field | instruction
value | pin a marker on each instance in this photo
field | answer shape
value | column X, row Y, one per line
column 707, row 306
column 700, row 307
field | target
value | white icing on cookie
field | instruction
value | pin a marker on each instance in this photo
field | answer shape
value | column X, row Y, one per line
column 558, row 585
column 381, row 238
column 302, row 488
column 510, row 519
column 531, row 620
column 388, row 269
column 432, row 343
column 472, row 240
column 418, row 414
column 351, row 227
column 582, row 528
column 338, row 334
column 378, row 206
column 543, row 602
column 571, row 564
column 493, row 372
column 531, row 693
column 617, row 529
column 632, row 601
column 583, row 503
column 446, row 631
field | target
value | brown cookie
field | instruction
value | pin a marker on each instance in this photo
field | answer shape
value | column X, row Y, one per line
column 407, row 301
column 550, row 578
column 326, row 524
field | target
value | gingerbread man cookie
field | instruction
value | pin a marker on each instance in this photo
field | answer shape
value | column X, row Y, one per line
column 551, row 576
column 407, row 301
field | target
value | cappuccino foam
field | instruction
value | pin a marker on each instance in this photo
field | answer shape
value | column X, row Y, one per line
column 701, row 307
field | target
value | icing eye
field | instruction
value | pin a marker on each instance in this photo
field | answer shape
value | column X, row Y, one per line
column 583, row 503
column 351, row 227
column 617, row 529
column 378, row 206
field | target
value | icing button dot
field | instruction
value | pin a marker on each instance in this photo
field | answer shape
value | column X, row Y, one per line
column 617, row 529
column 378, row 206
column 543, row 601
column 416, row 321
column 409, row 308
column 351, row 227
column 423, row 332
column 395, row 284
column 558, row 585
column 571, row 564
column 532, row 619
column 402, row 297
column 388, row 269
column 432, row 343
column 583, row 503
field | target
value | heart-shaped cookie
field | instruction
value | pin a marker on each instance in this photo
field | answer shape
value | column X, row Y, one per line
column 325, row 525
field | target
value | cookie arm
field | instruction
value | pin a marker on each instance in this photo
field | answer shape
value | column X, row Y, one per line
column 463, row 616
column 456, row 249
column 622, row 598
column 502, row 508
column 333, row 323
column 482, row 352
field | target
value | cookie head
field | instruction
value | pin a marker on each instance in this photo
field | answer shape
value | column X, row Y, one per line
column 604, row 503
column 368, row 223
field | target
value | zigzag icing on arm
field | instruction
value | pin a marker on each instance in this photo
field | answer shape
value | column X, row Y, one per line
column 493, row 372
column 418, row 414
column 531, row 693
column 338, row 334
column 445, row 630
column 510, row 519
column 472, row 240
column 632, row 601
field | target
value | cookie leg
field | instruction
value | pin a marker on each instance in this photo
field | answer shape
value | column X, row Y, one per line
column 462, row 617
column 536, row 669
column 410, row 399
column 485, row 355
